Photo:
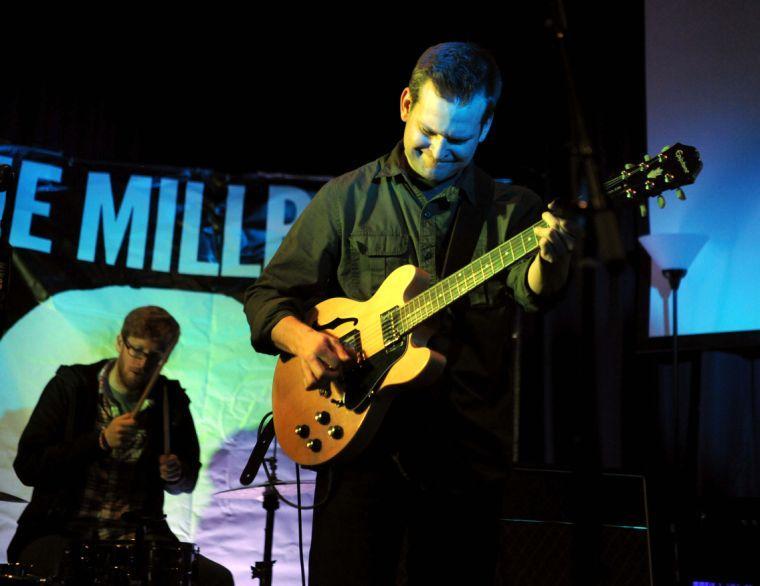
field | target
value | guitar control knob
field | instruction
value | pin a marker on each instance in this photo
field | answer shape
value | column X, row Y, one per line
column 314, row 445
column 335, row 431
column 322, row 417
column 302, row 430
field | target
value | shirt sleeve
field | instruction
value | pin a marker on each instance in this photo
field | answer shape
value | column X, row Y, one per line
column 527, row 212
column 517, row 280
column 186, row 445
column 44, row 454
column 302, row 271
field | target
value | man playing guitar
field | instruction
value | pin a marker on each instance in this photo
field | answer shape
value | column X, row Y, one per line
column 431, row 477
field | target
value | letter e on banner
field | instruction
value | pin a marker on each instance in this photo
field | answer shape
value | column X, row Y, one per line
column 27, row 206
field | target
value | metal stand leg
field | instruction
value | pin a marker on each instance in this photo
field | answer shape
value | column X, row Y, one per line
column 263, row 570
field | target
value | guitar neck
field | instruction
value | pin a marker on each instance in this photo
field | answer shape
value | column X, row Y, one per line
column 457, row 285
column 675, row 166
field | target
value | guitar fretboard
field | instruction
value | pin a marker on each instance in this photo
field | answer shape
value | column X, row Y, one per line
column 448, row 290
column 675, row 166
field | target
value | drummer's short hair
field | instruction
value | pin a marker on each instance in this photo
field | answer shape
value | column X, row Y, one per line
column 150, row 322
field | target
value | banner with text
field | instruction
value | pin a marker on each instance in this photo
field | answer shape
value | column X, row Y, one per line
column 93, row 240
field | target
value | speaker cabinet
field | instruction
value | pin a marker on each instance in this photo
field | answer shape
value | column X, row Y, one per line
column 561, row 528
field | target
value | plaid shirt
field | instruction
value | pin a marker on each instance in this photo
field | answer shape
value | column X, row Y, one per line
column 109, row 489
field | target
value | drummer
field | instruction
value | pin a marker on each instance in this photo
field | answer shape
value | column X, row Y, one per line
column 97, row 456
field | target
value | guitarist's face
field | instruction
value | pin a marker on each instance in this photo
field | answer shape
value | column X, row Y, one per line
column 441, row 137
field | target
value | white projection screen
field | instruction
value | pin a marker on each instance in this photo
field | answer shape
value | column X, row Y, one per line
column 703, row 89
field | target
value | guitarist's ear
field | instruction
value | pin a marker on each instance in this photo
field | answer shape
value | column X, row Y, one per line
column 406, row 104
column 485, row 128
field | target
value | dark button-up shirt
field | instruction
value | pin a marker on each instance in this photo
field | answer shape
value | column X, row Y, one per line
column 359, row 228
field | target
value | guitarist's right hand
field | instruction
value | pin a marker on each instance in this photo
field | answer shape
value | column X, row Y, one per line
column 321, row 354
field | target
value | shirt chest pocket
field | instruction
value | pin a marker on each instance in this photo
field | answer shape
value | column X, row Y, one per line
column 373, row 257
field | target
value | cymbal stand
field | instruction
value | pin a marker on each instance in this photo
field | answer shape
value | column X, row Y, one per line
column 263, row 570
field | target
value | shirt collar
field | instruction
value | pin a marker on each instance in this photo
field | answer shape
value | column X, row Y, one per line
column 395, row 165
column 105, row 390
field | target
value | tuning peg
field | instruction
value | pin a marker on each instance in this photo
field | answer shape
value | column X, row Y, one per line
column 643, row 210
column 647, row 158
column 629, row 166
column 666, row 147
column 660, row 201
column 680, row 194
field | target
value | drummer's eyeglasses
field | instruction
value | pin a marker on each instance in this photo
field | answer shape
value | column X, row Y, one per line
column 139, row 353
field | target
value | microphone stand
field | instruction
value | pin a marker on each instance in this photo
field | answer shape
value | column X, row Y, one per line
column 600, row 246
column 263, row 569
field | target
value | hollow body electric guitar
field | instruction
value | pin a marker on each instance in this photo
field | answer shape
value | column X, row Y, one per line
column 388, row 334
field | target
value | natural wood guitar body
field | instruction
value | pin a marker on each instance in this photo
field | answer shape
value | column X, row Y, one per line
column 388, row 332
column 315, row 426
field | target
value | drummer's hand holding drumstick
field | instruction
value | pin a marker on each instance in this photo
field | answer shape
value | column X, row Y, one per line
column 170, row 467
column 120, row 431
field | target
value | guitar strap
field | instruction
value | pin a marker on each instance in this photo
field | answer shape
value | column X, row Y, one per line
column 468, row 223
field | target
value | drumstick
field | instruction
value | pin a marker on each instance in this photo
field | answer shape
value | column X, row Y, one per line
column 154, row 377
column 167, row 449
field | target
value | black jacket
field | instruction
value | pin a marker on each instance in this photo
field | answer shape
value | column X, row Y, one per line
column 61, row 440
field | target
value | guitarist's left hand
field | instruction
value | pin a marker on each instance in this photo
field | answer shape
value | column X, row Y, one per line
column 556, row 243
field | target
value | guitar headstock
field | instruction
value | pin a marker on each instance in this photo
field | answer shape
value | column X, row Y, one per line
column 674, row 167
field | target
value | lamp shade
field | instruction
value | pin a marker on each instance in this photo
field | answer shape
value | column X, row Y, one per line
column 673, row 251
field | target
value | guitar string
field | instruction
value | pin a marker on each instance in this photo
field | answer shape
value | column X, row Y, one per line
column 476, row 273
column 446, row 291
column 429, row 302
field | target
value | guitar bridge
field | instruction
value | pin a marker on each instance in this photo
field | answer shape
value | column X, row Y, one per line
column 353, row 340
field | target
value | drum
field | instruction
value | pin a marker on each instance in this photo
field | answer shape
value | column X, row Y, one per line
column 123, row 563
column 17, row 574
column 171, row 563
column 101, row 563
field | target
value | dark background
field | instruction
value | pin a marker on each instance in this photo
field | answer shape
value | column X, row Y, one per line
column 242, row 93
column 274, row 95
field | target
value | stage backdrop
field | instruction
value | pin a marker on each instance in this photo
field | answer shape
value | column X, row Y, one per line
column 92, row 241
column 702, row 85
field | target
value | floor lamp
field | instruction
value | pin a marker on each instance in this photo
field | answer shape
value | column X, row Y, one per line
column 674, row 254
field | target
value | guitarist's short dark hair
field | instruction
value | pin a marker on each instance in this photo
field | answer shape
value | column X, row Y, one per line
column 459, row 71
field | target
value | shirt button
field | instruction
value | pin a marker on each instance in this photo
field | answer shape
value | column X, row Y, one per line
column 426, row 214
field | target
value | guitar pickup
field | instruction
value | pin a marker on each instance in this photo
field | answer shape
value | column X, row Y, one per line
column 390, row 323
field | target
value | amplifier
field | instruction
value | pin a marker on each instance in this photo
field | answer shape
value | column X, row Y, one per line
column 563, row 528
